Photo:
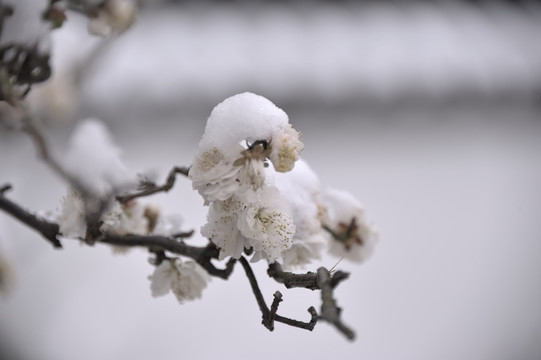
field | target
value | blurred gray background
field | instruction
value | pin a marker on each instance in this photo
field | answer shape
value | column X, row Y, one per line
column 429, row 112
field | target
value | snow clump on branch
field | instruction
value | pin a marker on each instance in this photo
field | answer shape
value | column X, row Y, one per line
column 93, row 162
column 301, row 188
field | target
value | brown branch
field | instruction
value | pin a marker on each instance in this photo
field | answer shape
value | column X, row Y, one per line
column 212, row 252
column 151, row 188
column 203, row 255
column 330, row 312
column 292, row 280
column 257, row 292
column 50, row 231
column 338, row 277
column 270, row 316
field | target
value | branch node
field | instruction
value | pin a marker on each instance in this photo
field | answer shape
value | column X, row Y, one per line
column 330, row 312
column 5, row 189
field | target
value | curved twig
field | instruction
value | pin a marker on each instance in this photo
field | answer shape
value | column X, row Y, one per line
column 270, row 316
column 149, row 188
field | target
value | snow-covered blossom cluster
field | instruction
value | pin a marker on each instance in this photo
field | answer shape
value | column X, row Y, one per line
column 103, row 175
column 275, row 209
column 263, row 198
column 246, row 209
column 118, row 219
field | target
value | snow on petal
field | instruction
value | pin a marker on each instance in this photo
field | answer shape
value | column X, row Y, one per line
column 351, row 236
column 71, row 219
column 119, row 219
column 301, row 188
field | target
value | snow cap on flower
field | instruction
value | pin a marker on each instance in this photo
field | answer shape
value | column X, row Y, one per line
column 242, row 117
column 186, row 280
column 222, row 166
column 350, row 236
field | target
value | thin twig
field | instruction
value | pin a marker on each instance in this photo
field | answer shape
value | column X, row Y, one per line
column 150, row 188
column 300, row 324
column 274, row 308
column 255, row 289
column 268, row 321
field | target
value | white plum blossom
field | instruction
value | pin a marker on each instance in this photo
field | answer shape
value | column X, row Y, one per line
column 112, row 16
column 285, row 149
column 222, row 228
column 123, row 219
column 213, row 176
column 351, row 236
column 268, row 224
column 186, row 280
